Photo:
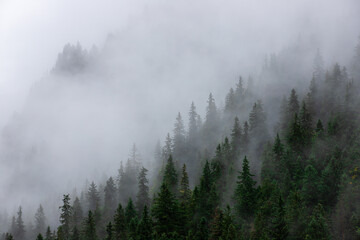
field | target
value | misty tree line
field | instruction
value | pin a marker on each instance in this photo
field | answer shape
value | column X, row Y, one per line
column 230, row 176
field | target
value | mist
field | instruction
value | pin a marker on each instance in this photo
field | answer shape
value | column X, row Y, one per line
column 81, row 82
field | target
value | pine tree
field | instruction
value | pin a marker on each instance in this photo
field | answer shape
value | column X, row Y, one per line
column 245, row 193
column 305, row 122
column 202, row 230
column 39, row 237
column 167, row 149
column 8, row 236
column 75, row 234
column 236, row 137
column 217, row 225
column 93, row 197
column 19, row 226
column 144, row 229
column 40, row 226
column 65, row 217
column 110, row 198
column 143, row 198
column 109, row 232
column 165, row 212
column 184, row 192
column 293, row 105
column 120, row 223
column 245, row 138
column 317, row 227
column 310, row 185
column 89, row 228
column 130, row 211
column 179, row 138
column 170, row 175
column 77, row 213
column 279, row 228
column 48, row 235
column 210, row 130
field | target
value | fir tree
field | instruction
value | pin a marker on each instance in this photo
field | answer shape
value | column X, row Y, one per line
column 109, row 232
column 184, row 192
column 179, row 138
column 170, row 175
column 39, row 237
column 144, row 229
column 77, row 213
column 130, row 211
column 40, row 226
column 143, row 198
column 279, row 228
column 245, row 193
column 110, row 198
column 236, row 137
column 317, row 227
column 120, row 223
column 165, row 212
column 90, row 228
column 93, row 197
column 48, row 235
column 65, row 217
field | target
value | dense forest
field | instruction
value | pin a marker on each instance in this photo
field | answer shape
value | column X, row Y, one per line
column 235, row 173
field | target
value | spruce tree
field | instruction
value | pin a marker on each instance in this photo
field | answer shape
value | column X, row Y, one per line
column 19, row 233
column 179, row 147
column 165, row 212
column 236, row 137
column 65, row 217
column 170, row 175
column 130, row 211
column 245, row 193
column 40, row 226
column 109, row 232
column 144, row 229
column 77, row 213
column 110, row 198
column 48, row 235
column 39, row 237
column 142, row 197
column 93, row 197
column 317, row 227
column 184, row 192
column 120, row 223
column 279, row 228
column 90, row 228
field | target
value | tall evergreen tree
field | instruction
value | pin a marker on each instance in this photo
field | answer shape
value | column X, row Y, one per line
column 184, row 192
column 170, row 175
column 120, row 223
column 65, row 217
column 245, row 193
column 109, row 232
column 236, row 137
column 130, row 211
column 110, row 198
column 280, row 228
column 77, row 213
column 20, row 227
column 40, row 225
column 93, row 197
column 179, row 138
column 165, row 212
column 144, row 229
column 90, row 228
column 143, row 198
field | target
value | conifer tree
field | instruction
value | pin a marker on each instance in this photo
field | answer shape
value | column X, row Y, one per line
column 167, row 149
column 170, row 175
column 305, row 121
column 236, row 137
column 8, row 236
column 184, row 192
column 75, row 234
column 279, row 228
column 90, row 228
column 130, row 211
column 93, row 197
column 19, row 226
column 202, row 230
column 77, row 213
column 39, row 237
column 317, row 227
column 65, row 217
column 40, row 226
column 144, row 229
column 143, row 198
column 179, row 146
column 48, row 235
column 109, row 232
column 293, row 105
column 245, row 193
column 165, row 212
column 245, row 138
column 120, row 223
column 110, row 198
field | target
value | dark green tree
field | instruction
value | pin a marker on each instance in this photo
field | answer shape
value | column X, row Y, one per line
column 144, row 229
column 130, row 211
column 142, row 197
column 65, row 217
column 245, row 192
column 279, row 226
column 109, row 232
column 77, row 213
column 184, row 192
column 39, row 237
column 90, row 228
column 179, row 147
column 317, row 227
column 236, row 138
column 93, row 197
column 120, row 224
column 170, row 175
column 165, row 212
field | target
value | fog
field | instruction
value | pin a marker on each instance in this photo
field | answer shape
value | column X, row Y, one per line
column 72, row 113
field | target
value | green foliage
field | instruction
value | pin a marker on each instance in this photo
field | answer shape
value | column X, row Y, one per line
column 90, row 228
column 245, row 192
column 171, row 176
column 120, row 223
column 143, row 198
column 317, row 227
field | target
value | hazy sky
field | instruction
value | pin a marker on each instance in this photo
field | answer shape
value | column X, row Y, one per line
column 167, row 54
